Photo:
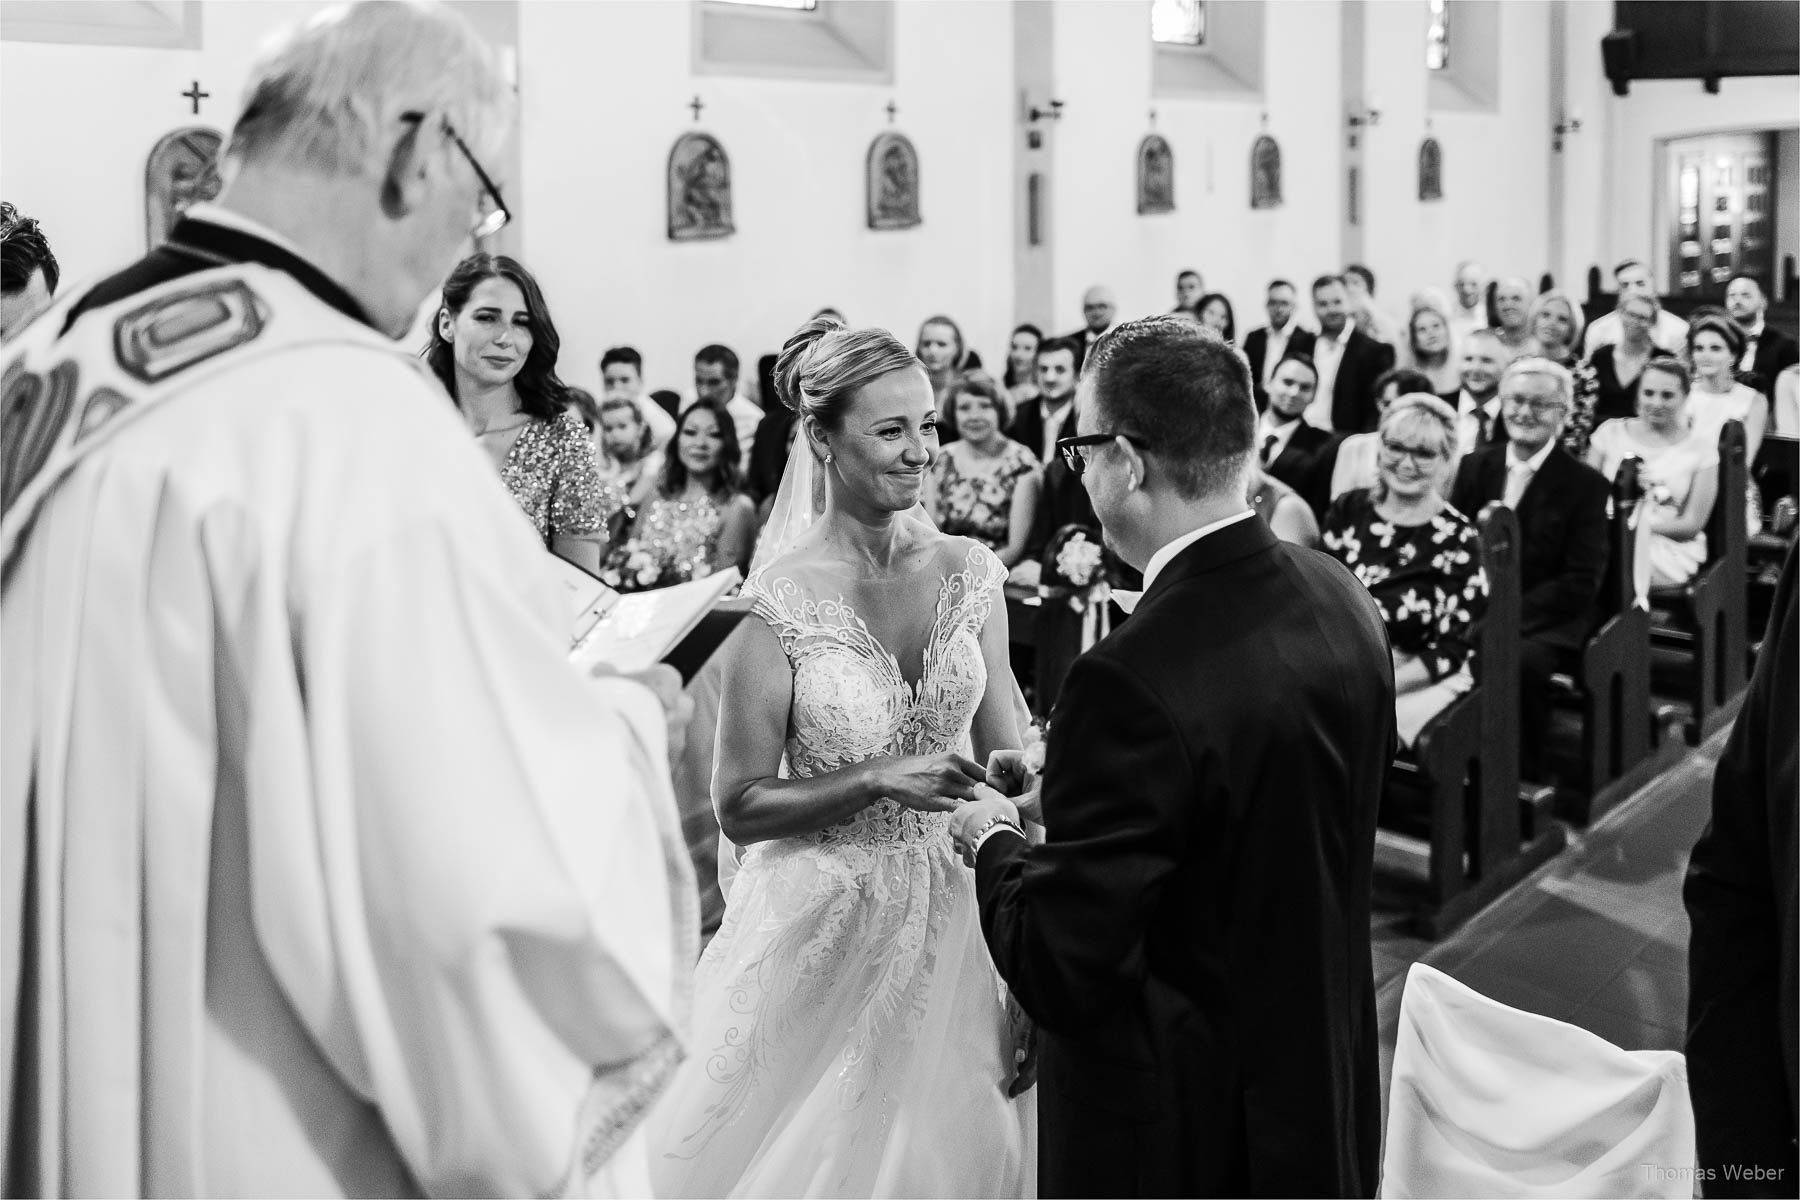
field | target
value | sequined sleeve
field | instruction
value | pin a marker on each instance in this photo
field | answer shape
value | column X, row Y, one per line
column 576, row 498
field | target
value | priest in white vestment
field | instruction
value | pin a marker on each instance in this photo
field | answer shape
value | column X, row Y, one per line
column 324, row 872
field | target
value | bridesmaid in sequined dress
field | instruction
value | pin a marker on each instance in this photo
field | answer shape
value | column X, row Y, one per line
column 698, row 520
column 494, row 348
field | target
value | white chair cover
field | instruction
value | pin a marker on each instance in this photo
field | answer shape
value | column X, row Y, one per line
column 1487, row 1100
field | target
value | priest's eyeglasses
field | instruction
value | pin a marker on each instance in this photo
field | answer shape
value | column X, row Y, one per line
column 1074, row 449
column 492, row 215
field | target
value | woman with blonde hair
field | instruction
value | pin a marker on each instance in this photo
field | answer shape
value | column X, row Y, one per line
column 1430, row 346
column 1419, row 557
column 1556, row 325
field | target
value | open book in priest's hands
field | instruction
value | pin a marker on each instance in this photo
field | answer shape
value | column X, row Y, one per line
column 680, row 625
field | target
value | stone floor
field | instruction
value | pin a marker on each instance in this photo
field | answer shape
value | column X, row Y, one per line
column 1596, row 936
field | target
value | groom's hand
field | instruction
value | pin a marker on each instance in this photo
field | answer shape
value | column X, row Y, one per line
column 967, row 822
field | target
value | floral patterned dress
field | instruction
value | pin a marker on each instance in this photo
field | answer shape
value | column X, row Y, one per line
column 672, row 541
column 1428, row 582
column 979, row 504
column 550, row 471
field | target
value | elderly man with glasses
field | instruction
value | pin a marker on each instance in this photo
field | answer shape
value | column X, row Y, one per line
column 1561, row 506
column 328, row 874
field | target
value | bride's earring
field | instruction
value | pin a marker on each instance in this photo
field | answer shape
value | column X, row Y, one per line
column 828, row 456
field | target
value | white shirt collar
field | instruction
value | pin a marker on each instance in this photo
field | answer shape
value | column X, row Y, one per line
column 213, row 214
column 1343, row 335
column 1532, row 464
column 1163, row 557
column 1755, row 331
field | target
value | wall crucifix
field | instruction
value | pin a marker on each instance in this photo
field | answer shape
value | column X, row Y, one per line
column 195, row 95
column 893, row 110
column 696, row 105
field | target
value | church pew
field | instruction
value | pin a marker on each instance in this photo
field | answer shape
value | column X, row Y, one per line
column 1708, row 617
column 1465, row 765
column 1610, row 680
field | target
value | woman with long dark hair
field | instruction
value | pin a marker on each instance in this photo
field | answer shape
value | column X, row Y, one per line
column 494, row 347
column 698, row 520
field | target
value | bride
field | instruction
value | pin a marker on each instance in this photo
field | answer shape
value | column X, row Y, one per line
column 851, row 1036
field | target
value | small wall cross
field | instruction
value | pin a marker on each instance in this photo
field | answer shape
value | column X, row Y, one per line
column 892, row 111
column 196, row 96
column 696, row 105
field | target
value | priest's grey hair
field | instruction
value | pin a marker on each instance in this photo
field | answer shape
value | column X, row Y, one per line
column 320, row 95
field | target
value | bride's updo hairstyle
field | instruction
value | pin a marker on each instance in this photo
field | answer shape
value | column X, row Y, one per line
column 825, row 362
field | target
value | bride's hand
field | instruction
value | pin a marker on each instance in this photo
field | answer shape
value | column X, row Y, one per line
column 928, row 782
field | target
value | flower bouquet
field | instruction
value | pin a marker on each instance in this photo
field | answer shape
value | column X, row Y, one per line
column 1074, row 572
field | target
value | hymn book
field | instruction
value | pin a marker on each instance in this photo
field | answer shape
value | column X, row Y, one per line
column 630, row 632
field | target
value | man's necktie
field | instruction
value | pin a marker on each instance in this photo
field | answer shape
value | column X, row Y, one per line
column 1268, row 448
column 1518, row 478
column 1487, row 426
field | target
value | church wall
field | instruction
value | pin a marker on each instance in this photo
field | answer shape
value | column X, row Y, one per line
column 605, row 89
column 1103, row 56
column 1495, row 163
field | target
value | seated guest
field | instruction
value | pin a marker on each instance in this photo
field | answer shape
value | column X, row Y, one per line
column 1038, row 423
column 629, row 459
column 774, row 433
column 1371, row 319
column 1021, row 364
column 1556, row 324
column 1189, row 287
column 942, row 352
column 1288, row 447
column 698, row 519
column 1470, row 311
column 622, row 375
column 1561, row 506
column 1767, row 351
column 1419, row 557
column 1680, row 471
column 494, row 348
column 984, row 485
column 1214, row 312
column 1430, row 349
column 1348, row 362
column 1288, row 516
column 1512, row 316
column 1356, row 454
column 1283, row 335
column 1478, row 418
column 1098, row 308
column 1617, row 365
column 716, row 382
column 1714, row 347
column 1633, row 277
column 28, row 270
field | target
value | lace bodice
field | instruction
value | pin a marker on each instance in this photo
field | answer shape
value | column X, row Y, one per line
column 851, row 701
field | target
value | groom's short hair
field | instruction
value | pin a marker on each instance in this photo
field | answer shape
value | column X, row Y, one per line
column 1183, row 393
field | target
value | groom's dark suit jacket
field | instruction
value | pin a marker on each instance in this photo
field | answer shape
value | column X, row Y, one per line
column 1193, row 938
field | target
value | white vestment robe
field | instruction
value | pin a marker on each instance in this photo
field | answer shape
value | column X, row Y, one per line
column 325, row 872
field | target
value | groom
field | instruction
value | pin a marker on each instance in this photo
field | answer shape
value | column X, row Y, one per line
column 1193, row 938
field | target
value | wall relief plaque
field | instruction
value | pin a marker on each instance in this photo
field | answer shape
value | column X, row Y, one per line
column 183, row 169
column 1155, row 175
column 699, row 189
column 893, row 185
column 1265, row 173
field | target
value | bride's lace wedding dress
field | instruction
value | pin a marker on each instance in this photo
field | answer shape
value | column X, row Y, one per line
column 851, row 1035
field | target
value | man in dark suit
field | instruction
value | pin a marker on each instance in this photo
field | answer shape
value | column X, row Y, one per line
column 1479, row 421
column 1741, row 897
column 1561, row 506
column 1098, row 308
column 1767, row 351
column 1349, row 362
column 1040, row 421
column 1290, row 448
column 1193, row 938
column 1282, row 336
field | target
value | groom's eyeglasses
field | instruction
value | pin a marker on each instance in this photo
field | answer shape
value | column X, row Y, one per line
column 1074, row 449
